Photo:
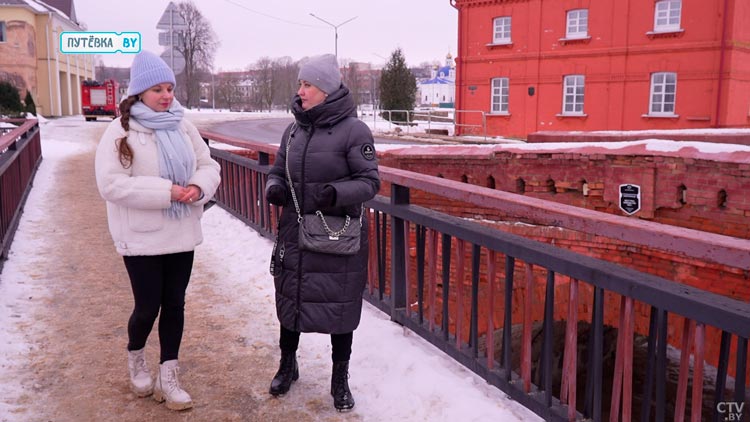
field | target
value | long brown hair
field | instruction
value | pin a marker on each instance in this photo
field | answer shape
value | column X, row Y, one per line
column 124, row 153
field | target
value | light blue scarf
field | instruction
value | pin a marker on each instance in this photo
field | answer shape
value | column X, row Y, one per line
column 175, row 157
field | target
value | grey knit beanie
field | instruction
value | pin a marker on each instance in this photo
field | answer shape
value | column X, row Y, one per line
column 148, row 70
column 321, row 71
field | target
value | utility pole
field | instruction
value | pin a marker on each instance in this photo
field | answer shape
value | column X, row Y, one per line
column 335, row 31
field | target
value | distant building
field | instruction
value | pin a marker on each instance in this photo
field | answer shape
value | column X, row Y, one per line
column 440, row 88
column 119, row 74
column 570, row 65
column 235, row 90
column 363, row 81
column 30, row 57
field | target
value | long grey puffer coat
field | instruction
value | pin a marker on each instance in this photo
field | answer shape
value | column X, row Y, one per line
column 322, row 292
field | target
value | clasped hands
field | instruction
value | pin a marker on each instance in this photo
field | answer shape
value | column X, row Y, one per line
column 188, row 194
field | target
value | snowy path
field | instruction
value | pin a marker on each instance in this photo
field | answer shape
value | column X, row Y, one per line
column 65, row 300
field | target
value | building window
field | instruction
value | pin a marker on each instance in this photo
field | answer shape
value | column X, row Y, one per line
column 502, row 30
column 2, row 32
column 663, row 92
column 578, row 24
column 573, row 95
column 499, row 96
column 667, row 15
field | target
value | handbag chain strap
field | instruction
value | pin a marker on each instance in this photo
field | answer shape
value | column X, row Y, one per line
column 294, row 195
column 328, row 229
column 288, row 175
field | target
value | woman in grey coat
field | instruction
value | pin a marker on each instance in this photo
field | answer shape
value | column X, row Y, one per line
column 333, row 168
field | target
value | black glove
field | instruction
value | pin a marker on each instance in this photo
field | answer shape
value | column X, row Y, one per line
column 276, row 195
column 324, row 196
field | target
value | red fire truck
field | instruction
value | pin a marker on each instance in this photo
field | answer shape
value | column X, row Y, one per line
column 99, row 99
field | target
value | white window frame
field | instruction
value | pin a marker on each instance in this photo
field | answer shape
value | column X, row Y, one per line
column 667, row 15
column 501, row 30
column 499, row 95
column 574, row 87
column 577, row 25
column 663, row 94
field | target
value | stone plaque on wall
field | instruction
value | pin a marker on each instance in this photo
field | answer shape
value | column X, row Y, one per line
column 630, row 198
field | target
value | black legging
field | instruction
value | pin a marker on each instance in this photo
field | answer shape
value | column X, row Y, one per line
column 158, row 282
column 341, row 344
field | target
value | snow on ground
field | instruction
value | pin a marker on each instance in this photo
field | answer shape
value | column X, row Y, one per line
column 15, row 290
column 396, row 375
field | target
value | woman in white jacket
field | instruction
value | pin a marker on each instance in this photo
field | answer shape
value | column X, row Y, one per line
column 155, row 173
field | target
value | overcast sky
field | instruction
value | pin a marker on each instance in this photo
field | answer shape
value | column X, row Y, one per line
column 426, row 30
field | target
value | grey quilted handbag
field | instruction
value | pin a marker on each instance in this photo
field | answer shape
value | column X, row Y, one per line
column 318, row 233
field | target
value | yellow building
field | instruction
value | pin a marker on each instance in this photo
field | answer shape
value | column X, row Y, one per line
column 30, row 56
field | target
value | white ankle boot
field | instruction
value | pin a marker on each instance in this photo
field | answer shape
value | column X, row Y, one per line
column 140, row 377
column 167, row 387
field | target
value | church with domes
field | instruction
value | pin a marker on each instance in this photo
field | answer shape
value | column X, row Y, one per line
column 440, row 89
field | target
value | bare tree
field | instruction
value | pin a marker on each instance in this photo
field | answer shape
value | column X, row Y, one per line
column 351, row 80
column 227, row 93
column 263, row 86
column 373, row 76
column 197, row 45
column 285, row 81
column 102, row 72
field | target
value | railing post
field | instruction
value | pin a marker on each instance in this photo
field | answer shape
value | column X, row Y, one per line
column 446, row 278
column 264, row 158
column 399, row 196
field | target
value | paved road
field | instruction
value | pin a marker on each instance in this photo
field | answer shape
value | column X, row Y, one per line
column 269, row 130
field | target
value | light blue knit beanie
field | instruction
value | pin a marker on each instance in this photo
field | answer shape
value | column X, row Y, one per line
column 321, row 71
column 148, row 70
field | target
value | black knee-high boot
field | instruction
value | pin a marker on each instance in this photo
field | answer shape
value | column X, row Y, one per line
column 342, row 396
column 288, row 373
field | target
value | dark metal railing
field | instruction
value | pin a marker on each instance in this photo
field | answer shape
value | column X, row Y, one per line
column 568, row 336
column 20, row 156
column 470, row 261
column 243, row 181
column 241, row 190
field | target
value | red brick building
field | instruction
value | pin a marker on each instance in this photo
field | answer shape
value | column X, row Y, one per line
column 570, row 65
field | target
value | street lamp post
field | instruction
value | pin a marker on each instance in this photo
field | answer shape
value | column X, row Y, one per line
column 335, row 31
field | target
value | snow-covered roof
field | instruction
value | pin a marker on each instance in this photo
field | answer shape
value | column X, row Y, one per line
column 728, row 153
column 437, row 81
column 37, row 6
column 33, row 5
